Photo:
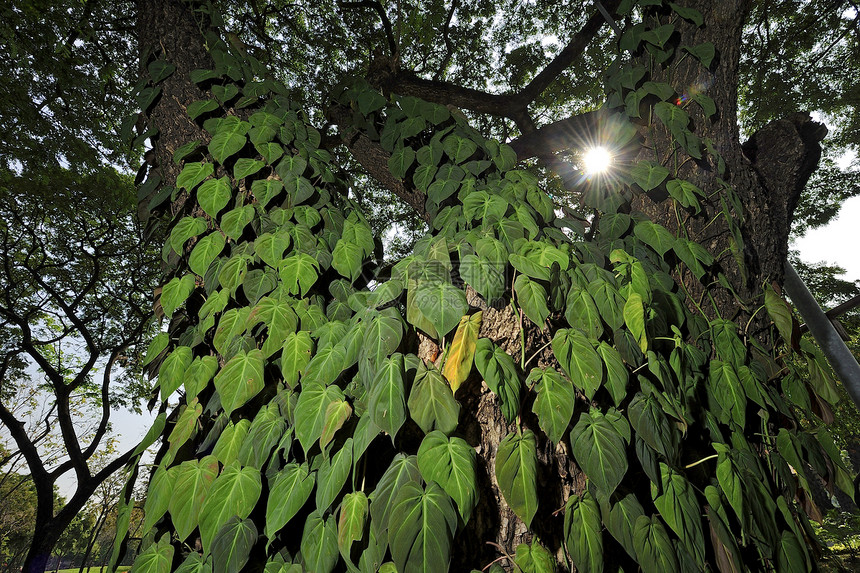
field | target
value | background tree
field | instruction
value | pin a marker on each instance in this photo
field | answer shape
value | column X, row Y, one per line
column 76, row 275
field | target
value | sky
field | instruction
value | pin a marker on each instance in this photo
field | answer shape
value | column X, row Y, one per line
column 838, row 242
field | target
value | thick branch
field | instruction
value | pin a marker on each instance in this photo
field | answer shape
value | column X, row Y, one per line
column 374, row 159
column 566, row 57
column 575, row 131
column 510, row 105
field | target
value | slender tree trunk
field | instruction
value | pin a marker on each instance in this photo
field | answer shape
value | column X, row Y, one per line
column 92, row 540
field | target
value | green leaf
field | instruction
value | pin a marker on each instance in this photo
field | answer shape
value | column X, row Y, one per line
column 648, row 175
column 656, row 236
column 678, row 120
column 486, row 208
column 421, row 527
column 229, row 138
column 192, row 482
column 157, row 558
column 652, row 425
column 484, row 276
column 296, row 356
column 205, row 251
column 185, row 150
column 582, row 533
column 232, row 324
column 432, row 404
column 690, row 14
column 266, row 189
column 310, row 412
column 245, row 166
column 499, row 372
column 451, row 463
column 780, row 313
column 226, row 92
column 579, row 360
column 159, row 70
column 724, row 383
column 336, row 415
column 532, row 298
column 230, row 441
column 197, row 108
column 634, row 318
column 289, row 490
column 325, row 366
column 534, row 558
column 232, row 545
column 599, row 450
column 400, row 161
column 581, row 313
column 703, row 52
column 171, row 373
column 654, row 550
column 622, row 518
column 233, row 222
column 459, row 149
column 240, row 379
column 186, row 425
column 156, row 347
column 403, row 470
column 684, row 193
column 270, row 248
column 616, row 372
column 351, row 521
column 347, row 259
column 659, row 36
column 158, row 496
column 214, row 195
column 387, row 399
column 299, row 273
column 681, row 510
column 233, row 494
column 442, row 303
column 233, row 272
column 554, row 402
column 516, row 473
column 332, row 476
column 706, row 103
column 186, row 228
column 319, row 543
column 264, row 434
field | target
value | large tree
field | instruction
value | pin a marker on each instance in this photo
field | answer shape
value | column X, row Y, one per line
column 595, row 368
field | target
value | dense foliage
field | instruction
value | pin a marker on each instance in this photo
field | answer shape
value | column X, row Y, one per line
column 332, row 408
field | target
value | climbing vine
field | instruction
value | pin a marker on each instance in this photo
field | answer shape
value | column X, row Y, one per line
column 320, row 420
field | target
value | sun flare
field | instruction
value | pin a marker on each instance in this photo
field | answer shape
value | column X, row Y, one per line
column 596, row 160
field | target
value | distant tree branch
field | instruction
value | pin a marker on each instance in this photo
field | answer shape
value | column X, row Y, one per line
column 405, row 82
column 386, row 23
column 446, row 35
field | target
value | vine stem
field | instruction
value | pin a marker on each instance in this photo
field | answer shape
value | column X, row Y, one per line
column 539, row 350
column 703, row 460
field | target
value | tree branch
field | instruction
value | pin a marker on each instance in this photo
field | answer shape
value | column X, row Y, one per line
column 374, row 159
column 405, row 82
column 386, row 23
column 574, row 131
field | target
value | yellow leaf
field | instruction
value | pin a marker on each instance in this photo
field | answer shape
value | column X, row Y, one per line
column 462, row 351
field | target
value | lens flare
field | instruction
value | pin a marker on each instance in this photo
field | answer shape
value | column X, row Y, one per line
column 596, row 160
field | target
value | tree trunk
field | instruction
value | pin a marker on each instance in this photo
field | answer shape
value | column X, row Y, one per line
column 766, row 199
